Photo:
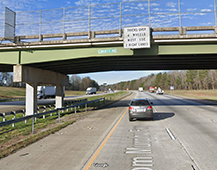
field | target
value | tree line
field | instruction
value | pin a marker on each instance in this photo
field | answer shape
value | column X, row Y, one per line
column 181, row 80
column 81, row 84
column 75, row 82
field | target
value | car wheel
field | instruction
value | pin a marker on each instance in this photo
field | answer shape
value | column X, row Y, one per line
column 130, row 119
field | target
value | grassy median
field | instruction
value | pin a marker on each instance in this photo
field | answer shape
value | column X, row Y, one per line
column 209, row 95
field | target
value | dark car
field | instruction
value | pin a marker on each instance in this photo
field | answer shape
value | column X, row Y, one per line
column 140, row 109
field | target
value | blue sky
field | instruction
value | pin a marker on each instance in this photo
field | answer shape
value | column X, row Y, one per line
column 194, row 13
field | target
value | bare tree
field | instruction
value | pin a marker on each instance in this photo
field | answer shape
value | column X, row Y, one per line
column 6, row 79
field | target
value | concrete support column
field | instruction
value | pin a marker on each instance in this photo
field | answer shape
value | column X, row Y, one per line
column 33, row 77
column 31, row 99
column 59, row 96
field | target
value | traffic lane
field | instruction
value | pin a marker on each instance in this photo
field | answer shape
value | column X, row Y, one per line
column 195, row 126
column 140, row 144
column 197, row 132
column 72, row 146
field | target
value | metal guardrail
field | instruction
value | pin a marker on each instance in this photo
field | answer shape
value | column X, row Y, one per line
column 41, row 108
column 25, row 118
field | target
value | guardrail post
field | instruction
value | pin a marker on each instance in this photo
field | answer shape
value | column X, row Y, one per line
column 44, row 111
column 14, row 113
column 50, row 110
column 75, row 111
column 24, row 115
column 33, row 122
column 38, row 111
column 67, row 108
column 58, row 115
column 3, row 117
column 85, row 107
column 44, row 115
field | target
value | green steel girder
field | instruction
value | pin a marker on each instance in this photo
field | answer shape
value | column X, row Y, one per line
column 74, row 60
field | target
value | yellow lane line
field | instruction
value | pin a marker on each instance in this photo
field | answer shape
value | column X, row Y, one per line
column 103, row 143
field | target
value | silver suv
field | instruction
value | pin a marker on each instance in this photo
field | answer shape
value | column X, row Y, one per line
column 140, row 108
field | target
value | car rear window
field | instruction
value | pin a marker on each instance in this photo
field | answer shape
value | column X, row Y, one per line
column 140, row 103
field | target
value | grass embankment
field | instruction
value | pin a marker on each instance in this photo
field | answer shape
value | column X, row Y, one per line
column 74, row 93
column 12, row 139
column 209, row 95
column 12, row 92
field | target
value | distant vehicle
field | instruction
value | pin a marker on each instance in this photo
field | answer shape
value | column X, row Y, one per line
column 159, row 91
column 110, row 90
column 140, row 89
column 44, row 92
column 151, row 89
column 140, row 108
column 91, row 90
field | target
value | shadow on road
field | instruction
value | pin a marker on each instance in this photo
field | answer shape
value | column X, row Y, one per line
column 158, row 117
column 162, row 115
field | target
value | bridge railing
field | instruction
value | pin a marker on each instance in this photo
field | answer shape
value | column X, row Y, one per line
column 100, row 17
column 116, row 35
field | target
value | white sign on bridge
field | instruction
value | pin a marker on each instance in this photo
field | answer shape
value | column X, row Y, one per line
column 137, row 37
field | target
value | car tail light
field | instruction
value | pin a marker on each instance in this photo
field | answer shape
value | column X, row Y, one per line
column 130, row 108
column 149, row 108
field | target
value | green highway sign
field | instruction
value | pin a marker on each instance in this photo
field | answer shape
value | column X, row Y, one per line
column 114, row 50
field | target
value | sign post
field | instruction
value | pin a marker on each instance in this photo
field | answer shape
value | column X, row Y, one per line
column 137, row 37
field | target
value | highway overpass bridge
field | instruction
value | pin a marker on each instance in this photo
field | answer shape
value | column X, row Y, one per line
column 177, row 50
column 48, row 58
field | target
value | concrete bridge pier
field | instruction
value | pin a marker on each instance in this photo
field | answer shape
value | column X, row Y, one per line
column 59, row 96
column 31, row 98
column 34, row 76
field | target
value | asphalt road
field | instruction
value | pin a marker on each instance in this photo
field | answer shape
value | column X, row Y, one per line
column 183, row 136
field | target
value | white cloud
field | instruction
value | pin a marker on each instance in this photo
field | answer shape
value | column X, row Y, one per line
column 171, row 4
column 207, row 23
column 172, row 10
column 157, row 9
column 154, row 4
column 206, row 10
column 192, row 9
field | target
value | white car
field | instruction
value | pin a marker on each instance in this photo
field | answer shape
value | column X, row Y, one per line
column 159, row 91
